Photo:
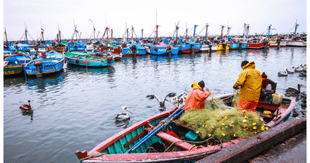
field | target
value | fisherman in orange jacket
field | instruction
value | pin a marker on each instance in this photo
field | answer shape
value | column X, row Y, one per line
column 250, row 81
column 196, row 97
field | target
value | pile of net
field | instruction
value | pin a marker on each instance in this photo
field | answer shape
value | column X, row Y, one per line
column 221, row 121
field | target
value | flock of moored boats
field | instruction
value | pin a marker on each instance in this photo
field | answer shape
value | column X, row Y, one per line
column 46, row 57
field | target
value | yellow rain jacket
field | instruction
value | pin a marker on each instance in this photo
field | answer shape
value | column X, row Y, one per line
column 196, row 97
column 250, row 81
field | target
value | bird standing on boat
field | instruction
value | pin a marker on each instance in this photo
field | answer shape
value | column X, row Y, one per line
column 283, row 73
column 179, row 99
column 162, row 105
column 292, row 91
column 123, row 116
column 26, row 108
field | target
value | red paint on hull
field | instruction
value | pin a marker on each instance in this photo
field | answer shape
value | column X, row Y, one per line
column 189, row 51
column 256, row 45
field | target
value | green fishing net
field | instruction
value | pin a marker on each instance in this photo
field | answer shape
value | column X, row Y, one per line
column 221, row 121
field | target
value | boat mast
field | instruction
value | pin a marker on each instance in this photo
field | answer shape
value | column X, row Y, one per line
column 26, row 37
column 296, row 25
column 176, row 31
column 222, row 33
column 94, row 32
column 228, row 30
column 142, row 34
column 6, row 37
column 268, row 32
column 59, row 35
column 157, row 34
column 111, row 34
column 42, row 32
column 132, row 35
column 194, row 32
column 207, row 25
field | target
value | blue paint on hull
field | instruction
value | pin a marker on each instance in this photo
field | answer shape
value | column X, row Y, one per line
column 52, row 63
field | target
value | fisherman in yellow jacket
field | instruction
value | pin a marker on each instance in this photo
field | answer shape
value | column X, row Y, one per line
column 250, row 81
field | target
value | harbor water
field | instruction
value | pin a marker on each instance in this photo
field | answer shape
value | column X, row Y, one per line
column 75, row 108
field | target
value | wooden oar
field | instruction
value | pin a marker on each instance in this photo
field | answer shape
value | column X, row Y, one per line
column 176, row 113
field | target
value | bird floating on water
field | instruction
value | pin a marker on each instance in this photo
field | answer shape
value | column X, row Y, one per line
column 123, row 116
column 162, row 105
column 283, row 73
column 289, row 71
column 26, row 107
column 292, row 91
column 300, row 68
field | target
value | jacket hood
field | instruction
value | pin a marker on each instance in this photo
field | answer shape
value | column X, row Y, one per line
column 249, row 65
column 195, row 85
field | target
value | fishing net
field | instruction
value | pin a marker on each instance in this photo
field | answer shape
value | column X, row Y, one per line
column 221, row 121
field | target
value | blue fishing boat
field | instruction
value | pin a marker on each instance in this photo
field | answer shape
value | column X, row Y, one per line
column 47, row 63
column 76, row 46
column 14, row 64
column 89, row 60
column 187, row 47
column 237, row 46
column 136, row 49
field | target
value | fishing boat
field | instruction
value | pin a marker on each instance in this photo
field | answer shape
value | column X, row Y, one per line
column 76, row 46
column 256, row 44
column 237, row 46
column 47, row 63
column 89, row 60
column 187, row 47
column 14, row 64
column 158, row 138
column 135, row 49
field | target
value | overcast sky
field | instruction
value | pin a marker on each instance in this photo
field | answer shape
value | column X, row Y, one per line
column 141, row 14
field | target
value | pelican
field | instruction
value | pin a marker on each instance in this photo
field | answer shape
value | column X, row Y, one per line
column 123, row 116
column 282, row 73
column 289, row 71
column 299, row 68
column 26, row 107
column 162, row 105
column 292, row 91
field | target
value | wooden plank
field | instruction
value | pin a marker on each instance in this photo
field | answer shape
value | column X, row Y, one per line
column 134, row 139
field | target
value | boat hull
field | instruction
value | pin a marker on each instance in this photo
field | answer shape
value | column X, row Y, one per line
column 53, row 63
column 14, row 64
column 157, row 50
column 257, row 45
column 114, row 148
column 86, row 60
column 236, row 46
column 12, row 70
column 206, row 48
column 187, row 48
column 127, row 52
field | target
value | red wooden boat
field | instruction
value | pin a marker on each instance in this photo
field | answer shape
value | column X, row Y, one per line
column 260, row 45
column 139, row 142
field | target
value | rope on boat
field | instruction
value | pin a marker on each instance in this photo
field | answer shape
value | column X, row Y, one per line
column 91, row 156
column 173, row 144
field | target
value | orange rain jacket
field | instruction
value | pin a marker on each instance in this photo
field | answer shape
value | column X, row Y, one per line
column 250, row 81
column 196, row 97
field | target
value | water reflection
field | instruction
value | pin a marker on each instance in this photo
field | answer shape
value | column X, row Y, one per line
column 164, row 58
column 28, row 114
column 41, row 83
column 91, row 70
